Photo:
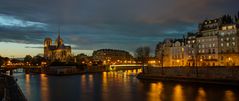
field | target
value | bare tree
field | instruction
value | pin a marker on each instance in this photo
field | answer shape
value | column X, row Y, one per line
column 142, row 55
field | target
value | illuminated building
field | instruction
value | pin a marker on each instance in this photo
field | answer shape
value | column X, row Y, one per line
column 228, row 45
column 57, row 51
column 112, row 56
column 215, row 44
column 191, row 49
column 163, row 52
column 179, row 53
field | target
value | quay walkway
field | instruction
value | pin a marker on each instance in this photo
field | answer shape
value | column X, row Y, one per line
column 9, row 89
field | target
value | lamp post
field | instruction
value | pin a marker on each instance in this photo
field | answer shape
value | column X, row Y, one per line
column 177, row 62
column 162, row 56
column 196, row 46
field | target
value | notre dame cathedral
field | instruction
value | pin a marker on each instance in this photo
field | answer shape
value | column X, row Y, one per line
column 57, row 51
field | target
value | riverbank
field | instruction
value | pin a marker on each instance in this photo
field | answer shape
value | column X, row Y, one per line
column 9, row 89
column 209, row 75
column 188, row 79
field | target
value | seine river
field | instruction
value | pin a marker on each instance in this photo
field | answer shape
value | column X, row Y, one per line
column 118, row 86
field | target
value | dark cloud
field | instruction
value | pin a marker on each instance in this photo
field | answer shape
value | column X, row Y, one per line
column 94, row 24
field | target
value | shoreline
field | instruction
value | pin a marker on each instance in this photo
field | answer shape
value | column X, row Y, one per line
column 216, row 81
column 10, row 89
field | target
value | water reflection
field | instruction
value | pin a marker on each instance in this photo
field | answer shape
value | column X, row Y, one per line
column 27, row 84
column 178, row 93
column 155, row 92
column 229, row 96
column 201, row 95
column 44, row 87
column 117, row 86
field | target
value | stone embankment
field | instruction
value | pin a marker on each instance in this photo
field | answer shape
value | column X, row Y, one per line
column 215, row 75
column 9, row 89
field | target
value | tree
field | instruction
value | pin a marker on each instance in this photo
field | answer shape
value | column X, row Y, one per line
column 1, row 61
column 37, row 60
column 142, row 55
column 28, row 58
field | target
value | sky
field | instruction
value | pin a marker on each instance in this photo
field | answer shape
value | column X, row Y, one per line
column 88, row 25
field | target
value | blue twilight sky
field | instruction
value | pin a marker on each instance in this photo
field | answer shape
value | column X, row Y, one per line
column 89, row 25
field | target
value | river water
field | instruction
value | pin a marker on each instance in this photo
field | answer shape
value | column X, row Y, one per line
column 118, row 86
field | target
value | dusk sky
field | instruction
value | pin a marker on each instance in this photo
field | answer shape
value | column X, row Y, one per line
column 89, row 25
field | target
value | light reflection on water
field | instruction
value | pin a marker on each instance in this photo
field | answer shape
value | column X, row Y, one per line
column 117, row 86
column 178, row 94
column 201, row 95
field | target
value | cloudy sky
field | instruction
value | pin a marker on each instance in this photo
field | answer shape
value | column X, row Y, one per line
column 94, row 24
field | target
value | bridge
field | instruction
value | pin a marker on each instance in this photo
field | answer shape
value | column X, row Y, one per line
column 21, row 68
column 124, row 67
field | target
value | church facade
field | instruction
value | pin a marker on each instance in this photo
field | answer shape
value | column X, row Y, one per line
column 57, row 51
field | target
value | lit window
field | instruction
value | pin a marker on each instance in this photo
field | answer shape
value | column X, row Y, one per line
column 233, row 38
column 213, row 45
column 202, row 46
column 233, row 43
column 222, row 44
column 222, row 33
column 224, row 28
column 203, row 51
column 230, row 27
column 210, row 45
column 227, row 39
column 227, row 44
column 221, row 39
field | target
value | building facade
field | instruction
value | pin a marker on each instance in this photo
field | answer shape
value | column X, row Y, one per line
column 215, row 44
column 112, row 56
column 57, row 51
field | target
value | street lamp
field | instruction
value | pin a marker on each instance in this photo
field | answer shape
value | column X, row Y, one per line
column 177, row 62
column 201, row 61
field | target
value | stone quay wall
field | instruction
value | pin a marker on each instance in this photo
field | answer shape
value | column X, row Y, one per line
column 195, row 72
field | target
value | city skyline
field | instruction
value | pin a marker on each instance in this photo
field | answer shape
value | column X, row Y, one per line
column 89, row 26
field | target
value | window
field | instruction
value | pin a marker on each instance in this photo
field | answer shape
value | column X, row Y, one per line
column 202, row 46
column 222, row 44
column 213, row 45
column 233, row 44
column 213, row 50
column 233, row 38
column 222, row 33
column 221, row 39
column 228, row 44
column 230, row 27
column 210, row 45
column 224, row 28
column 227, row 39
